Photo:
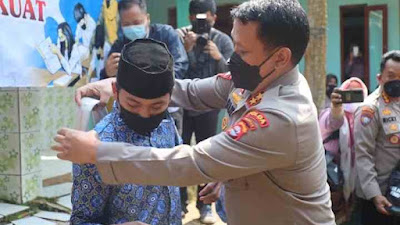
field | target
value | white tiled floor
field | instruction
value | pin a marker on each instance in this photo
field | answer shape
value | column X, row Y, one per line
column 55, row 191
column 51, row 166
column 65, row 201
column 9, row 209
column 63, row 217
column 32, row 221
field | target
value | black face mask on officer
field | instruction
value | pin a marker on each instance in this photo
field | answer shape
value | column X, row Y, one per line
column 244, row 75
column 392, row 88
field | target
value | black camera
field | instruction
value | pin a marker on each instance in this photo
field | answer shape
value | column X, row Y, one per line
column 202, row 28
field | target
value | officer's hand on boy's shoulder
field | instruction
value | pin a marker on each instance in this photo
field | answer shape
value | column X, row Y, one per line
column 101, row 89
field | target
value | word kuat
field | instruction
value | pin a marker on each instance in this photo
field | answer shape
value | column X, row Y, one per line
column 23, row 9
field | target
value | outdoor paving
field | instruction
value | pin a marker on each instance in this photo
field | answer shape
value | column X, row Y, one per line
column 10, row 209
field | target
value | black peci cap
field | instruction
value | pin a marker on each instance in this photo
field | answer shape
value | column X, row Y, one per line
column 146, row 69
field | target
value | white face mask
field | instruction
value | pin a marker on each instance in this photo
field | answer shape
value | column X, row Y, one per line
column 351, row 107
column 135, row 31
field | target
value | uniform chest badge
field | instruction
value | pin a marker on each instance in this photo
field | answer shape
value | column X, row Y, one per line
column 386, row 112
column 386, row 98
column 394, row 139
column 225, row 122
column 394, row 127
column 236, row 98
column 366, row 115
column 254, row 99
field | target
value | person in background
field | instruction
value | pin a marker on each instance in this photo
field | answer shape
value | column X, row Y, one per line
column 337, row 129
column 354, row 65
column 331, row 84
column 377, row 143
column 84, row 30
column 67, row 50
column 139, row 117
column 135, row 23
column 208, row 50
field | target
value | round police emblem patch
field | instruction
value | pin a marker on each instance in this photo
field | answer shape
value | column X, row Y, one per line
column 365, row 120
column 394, row 139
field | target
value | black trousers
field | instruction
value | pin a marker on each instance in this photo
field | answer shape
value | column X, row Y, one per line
column 203, row 126
column 370, row 216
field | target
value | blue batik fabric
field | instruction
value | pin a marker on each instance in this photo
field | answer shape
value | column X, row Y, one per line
column 95, row 202
column 220, row 205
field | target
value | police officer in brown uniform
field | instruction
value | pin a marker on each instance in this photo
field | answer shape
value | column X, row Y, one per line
column 377, row 142
column 271, row 158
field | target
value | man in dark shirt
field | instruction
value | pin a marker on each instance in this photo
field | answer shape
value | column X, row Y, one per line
column 208, row 50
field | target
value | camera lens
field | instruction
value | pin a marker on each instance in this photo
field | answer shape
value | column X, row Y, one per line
column 202, row 40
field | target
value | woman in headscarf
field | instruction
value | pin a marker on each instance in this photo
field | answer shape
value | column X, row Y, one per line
column 337, row 127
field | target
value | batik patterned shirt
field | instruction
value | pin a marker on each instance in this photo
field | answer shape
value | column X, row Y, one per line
column 96, row 203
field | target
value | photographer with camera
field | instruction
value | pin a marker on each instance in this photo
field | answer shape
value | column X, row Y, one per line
column 208, row 50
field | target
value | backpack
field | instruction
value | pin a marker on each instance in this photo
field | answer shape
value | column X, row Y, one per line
column 393, row 191
column 335, row 177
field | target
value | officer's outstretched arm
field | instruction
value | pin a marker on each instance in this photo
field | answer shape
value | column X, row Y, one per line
column 202, row 94
column 258, row 142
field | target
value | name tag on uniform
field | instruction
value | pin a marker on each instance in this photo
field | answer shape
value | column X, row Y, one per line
column 389, row 119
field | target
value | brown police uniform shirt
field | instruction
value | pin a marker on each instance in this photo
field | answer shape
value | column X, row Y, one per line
column 377, row 135
column 270, row 158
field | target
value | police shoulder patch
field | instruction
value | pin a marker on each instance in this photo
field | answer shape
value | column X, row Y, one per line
column 367, row 114
column 248, row 123
column 226, row 76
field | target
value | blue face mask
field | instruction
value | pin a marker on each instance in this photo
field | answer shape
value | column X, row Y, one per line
column 134, row 32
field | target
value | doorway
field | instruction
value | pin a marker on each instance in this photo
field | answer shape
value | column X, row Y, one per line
column 363, row 41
